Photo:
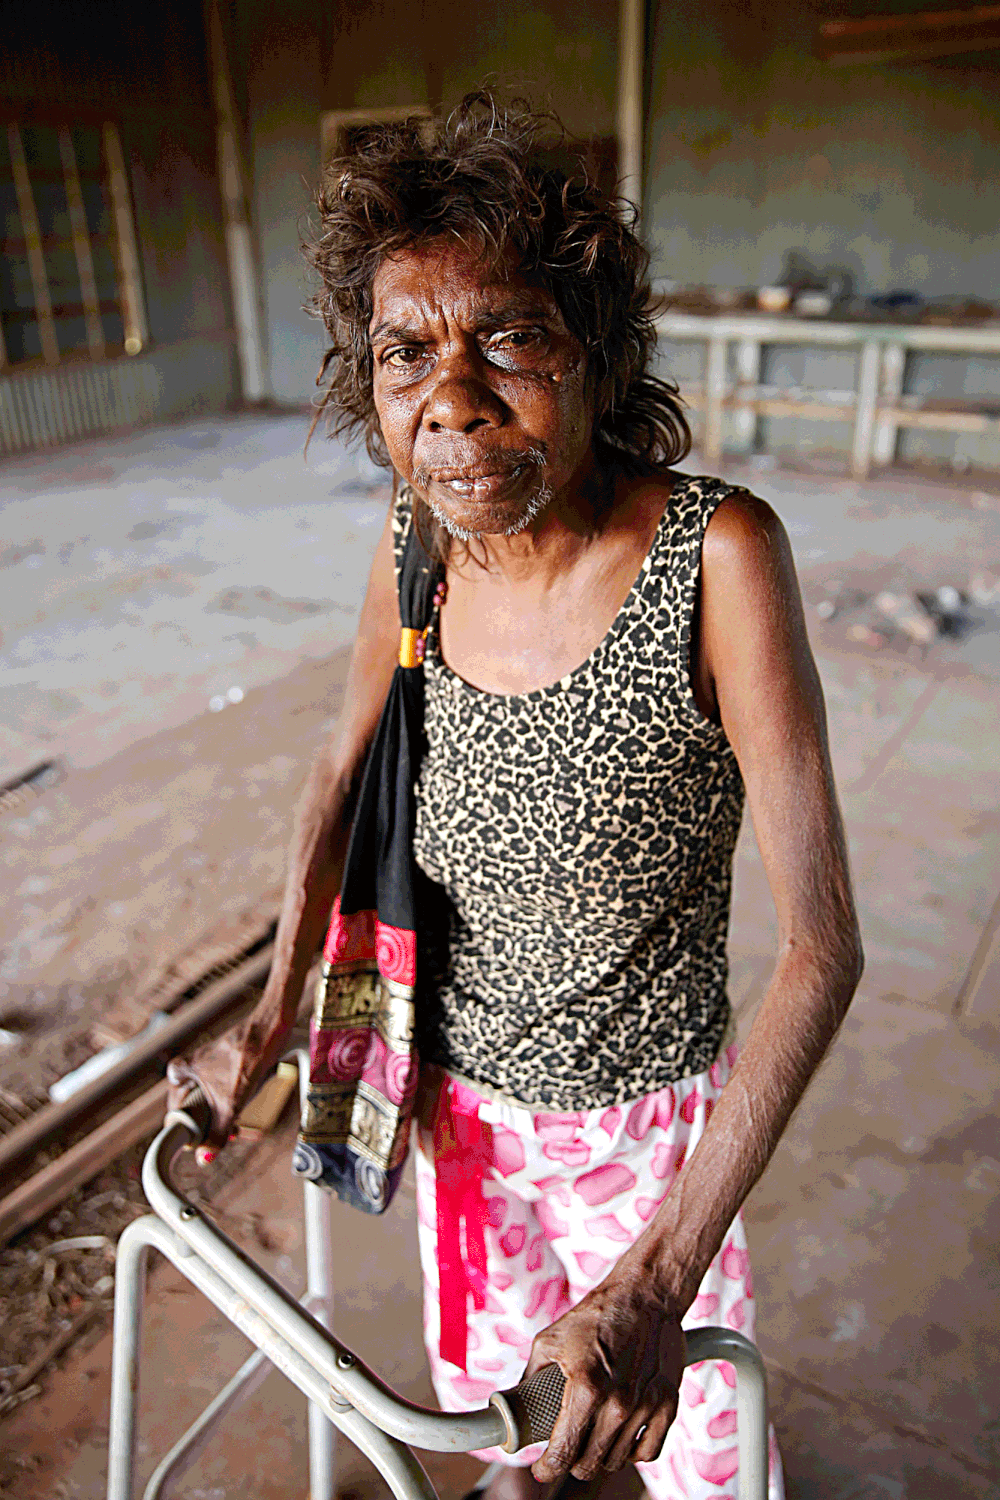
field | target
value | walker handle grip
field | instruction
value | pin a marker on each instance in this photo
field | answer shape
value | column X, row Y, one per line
column 530, row 1410
column 195, row 1114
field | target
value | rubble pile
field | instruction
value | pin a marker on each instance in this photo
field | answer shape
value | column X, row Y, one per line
column 57, row 1279
column 905, row 619
column 984, row 587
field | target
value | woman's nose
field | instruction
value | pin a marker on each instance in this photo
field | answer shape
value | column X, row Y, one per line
column 461, row 400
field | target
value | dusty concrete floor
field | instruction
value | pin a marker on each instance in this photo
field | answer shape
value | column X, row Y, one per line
column 874, row 1230
column 145, row 584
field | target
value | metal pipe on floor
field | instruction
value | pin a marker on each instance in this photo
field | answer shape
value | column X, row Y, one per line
column 220, row 1001
column 49, row 1187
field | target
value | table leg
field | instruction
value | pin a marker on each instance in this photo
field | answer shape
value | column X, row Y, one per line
column 747, row 373
column 891, row 385
column 864, row 421
column 715, row 390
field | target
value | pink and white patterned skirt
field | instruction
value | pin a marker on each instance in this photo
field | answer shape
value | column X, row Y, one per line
column 522, row 1213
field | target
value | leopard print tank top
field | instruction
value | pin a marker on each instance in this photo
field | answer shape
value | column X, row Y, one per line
column 576, row 846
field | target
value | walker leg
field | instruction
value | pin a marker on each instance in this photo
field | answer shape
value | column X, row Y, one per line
column 751, row 1401
column 130, row 1290
column 319, row 1288
column 751, row 1420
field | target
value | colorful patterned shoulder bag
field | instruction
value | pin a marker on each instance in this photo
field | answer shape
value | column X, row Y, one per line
column 362, row 1058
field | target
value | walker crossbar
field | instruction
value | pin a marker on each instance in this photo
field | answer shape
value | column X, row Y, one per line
column 340, row 1389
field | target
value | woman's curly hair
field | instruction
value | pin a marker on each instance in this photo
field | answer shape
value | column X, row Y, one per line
column 477, row 177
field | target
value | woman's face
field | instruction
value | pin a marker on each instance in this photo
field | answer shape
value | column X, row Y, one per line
column 480, row 389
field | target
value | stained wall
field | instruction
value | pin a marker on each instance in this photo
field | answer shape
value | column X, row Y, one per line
column 563, row 54
column 755, row 147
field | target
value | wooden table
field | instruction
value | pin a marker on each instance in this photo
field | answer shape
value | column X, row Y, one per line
column 877, row 408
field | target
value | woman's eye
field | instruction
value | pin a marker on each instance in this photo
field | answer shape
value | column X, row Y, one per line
column 402, row 357
column 517, row 348
column 514, row 338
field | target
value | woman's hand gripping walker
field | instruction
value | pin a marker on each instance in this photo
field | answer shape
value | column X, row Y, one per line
column 290, row 1335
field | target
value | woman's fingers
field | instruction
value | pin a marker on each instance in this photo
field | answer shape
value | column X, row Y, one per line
column 622, row 1353
column 641, row 1437
column 572, row 1426
column 182, row 1078
column 623, row 1447
column 538, row 1359
column 613, row 1414
column 647, row 1448
column 593, row 1434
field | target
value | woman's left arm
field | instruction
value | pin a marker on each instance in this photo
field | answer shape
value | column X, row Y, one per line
column 622, row 1347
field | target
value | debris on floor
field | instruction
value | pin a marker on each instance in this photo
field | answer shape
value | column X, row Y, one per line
column 905, row 618
column 57, row 1279
column 864, row 635
column 908, row 615
column 984, row 586
column 839, row 598
column 264, row 1111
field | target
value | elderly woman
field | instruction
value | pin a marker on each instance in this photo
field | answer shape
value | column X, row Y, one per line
column 619, row 652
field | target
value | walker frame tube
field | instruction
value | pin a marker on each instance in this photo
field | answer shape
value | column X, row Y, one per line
column 394, row 1460
column 248, row 1378
column 255, row 1370
column 350, row 1380
column 340, row 1388
column 319, row 1299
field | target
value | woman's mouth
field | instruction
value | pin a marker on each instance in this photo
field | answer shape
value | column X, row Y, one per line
column 479, row 484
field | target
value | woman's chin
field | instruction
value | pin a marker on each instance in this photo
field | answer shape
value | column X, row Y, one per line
column 497, row 514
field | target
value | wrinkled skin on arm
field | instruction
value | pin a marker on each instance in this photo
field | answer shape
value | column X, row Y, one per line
column 232, row 1068
column 622, row 1347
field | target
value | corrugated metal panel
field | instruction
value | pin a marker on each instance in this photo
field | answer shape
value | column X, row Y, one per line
column 44, row 407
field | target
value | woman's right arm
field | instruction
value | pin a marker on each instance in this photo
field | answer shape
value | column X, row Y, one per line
column 231, row 1068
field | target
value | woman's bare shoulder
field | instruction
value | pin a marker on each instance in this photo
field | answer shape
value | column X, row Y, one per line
column 743, row 527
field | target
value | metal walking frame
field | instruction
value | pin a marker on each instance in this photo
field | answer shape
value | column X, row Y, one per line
column 295, row 1337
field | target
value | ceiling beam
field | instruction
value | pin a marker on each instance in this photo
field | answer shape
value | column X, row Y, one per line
column 914, row 37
